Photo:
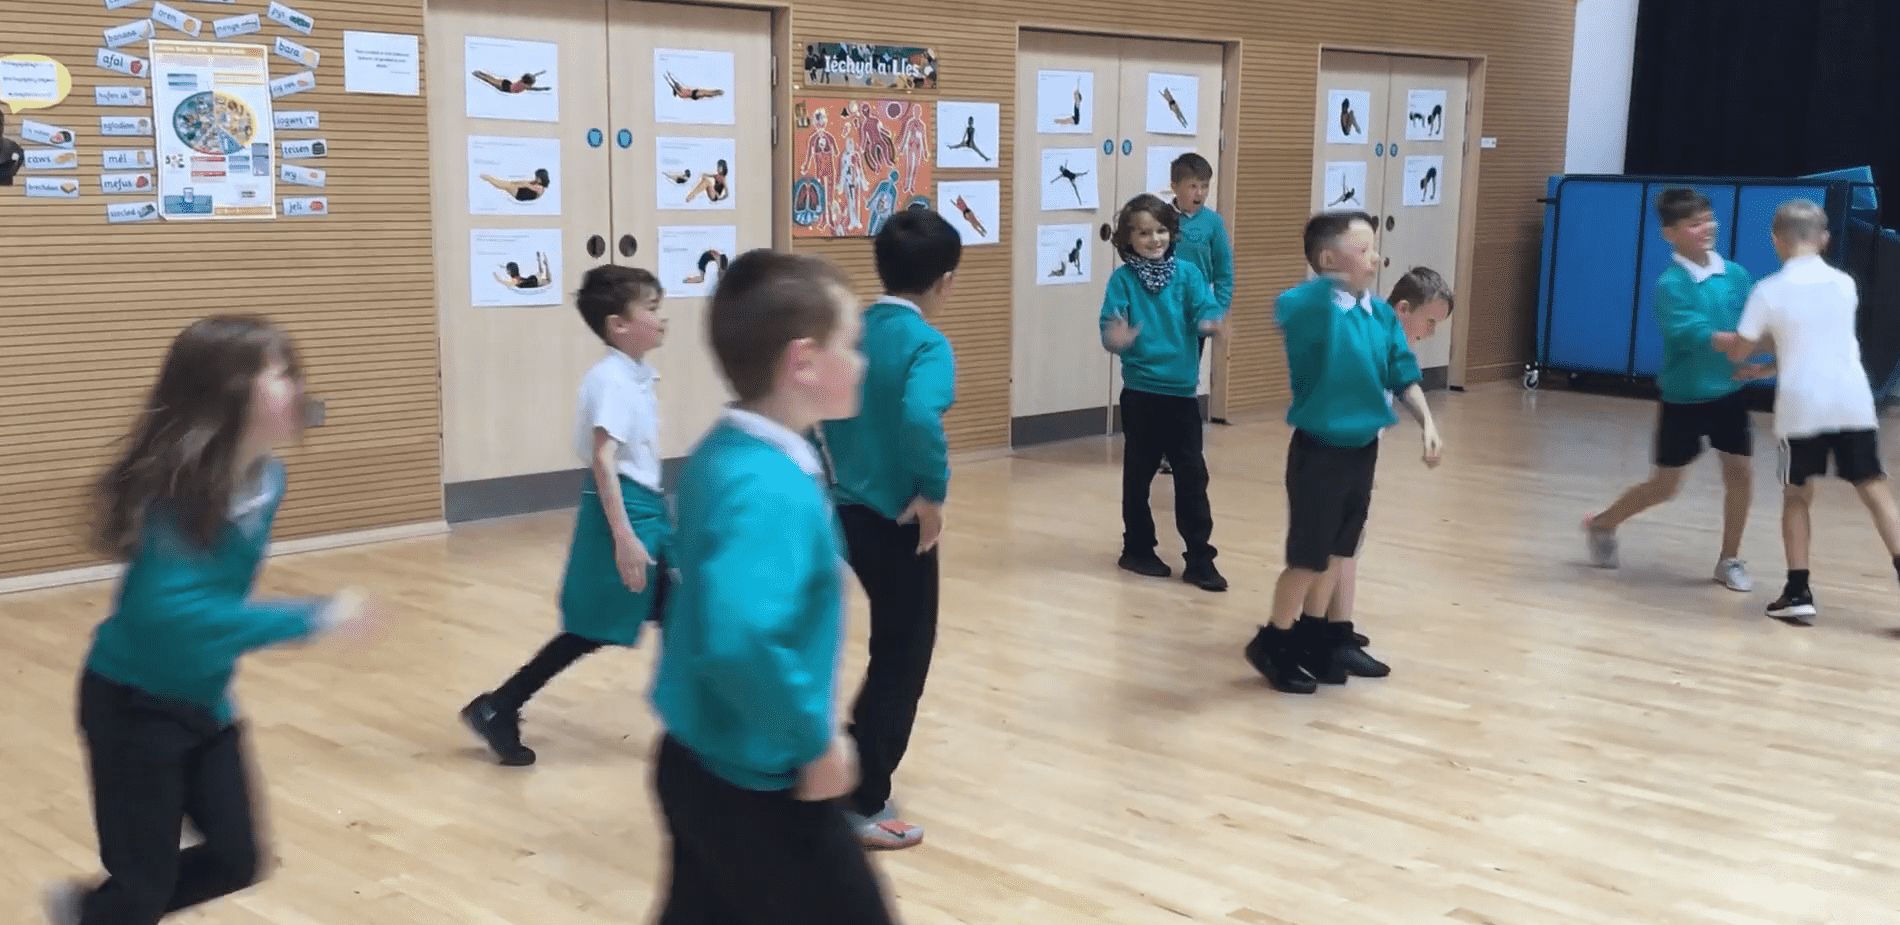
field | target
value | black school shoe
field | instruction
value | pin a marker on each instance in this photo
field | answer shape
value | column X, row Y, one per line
column 1146, row 563
column 501, row 730
column 1329, row 653
column 1204, row 575
column 1795, row 608
column 1273, row 654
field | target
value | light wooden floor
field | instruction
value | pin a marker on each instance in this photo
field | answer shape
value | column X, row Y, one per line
column 1556, row 745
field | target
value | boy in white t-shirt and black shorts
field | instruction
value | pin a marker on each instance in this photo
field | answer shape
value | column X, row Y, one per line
column 1824, row 406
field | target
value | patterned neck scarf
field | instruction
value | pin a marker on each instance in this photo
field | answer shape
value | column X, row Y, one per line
column 1155, row 273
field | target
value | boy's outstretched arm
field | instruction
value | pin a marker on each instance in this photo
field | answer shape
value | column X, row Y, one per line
column 1414, row 400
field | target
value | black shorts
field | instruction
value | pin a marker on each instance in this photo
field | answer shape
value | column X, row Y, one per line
column 1724, row 423
column 1328, row 494
column 1856, row 456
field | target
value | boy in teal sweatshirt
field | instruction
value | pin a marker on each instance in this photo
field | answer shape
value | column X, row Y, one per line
column 1203, row 241
column 1155, row 311
column 1346, row 350
column 1698, row 299
column 752, row 760
column 890, row 471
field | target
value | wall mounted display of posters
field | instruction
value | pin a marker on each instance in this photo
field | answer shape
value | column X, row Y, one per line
column 211, row 104
column 894, row 67
column 973, row 208
column 1345, row 185
column 1160, row 176
column 509, row 79
column 855, row 163
column 693, row 87
column 692, row 257
column 1424, row 115
column 1345, row 116
column 514, row 176
column 514, row 266
column 1069, row 180
column 1062, row 255
column 1174, row 104
column 1065, row 102
column 695, row 173
column 967, row 135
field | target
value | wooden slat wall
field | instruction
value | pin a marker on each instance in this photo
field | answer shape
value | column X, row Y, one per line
column 87, row 308
column 1527, row 43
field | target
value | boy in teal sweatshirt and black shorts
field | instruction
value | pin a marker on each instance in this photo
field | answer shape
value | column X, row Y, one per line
column 890, row 472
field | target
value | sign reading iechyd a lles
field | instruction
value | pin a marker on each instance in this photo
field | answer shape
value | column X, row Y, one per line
column 844, row 64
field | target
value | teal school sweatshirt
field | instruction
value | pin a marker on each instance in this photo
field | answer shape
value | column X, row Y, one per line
column 1165, row 357
column 1690, row 314
column 1204, row 244
column 747, row 673
column 895, row 449
column 1343, row 363
column 183, row 614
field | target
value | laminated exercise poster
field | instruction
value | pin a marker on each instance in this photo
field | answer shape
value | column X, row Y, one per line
column 1422, row 180
column 514, row 176
column 1069, row 180
column 1174, row 104
column 695, row 173
column 1160, row 174
column 693, row 87
column 1347, row 114
column 1424, row 115
column 692, row 257
column 967, row 135
column 515, row 266
column 1062, row 255
column 856, row 163
column 973, row 208
column 1345, row 186
column 211, row 105
column 1065, row 102
column 509, row 79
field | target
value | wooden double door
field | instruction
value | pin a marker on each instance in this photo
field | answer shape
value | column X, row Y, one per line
column 654, row 125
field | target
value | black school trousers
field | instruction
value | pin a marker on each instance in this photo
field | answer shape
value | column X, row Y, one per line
column 902, row 588
column 154, row 764
column 749, row 857
column 1154, row 427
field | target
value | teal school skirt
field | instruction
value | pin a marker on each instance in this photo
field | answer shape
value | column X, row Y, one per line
column 595, row 603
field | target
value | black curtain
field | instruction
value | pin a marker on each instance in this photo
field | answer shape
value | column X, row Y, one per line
column 1768, row 88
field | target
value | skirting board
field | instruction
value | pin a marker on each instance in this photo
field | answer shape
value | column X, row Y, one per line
column 80, row 576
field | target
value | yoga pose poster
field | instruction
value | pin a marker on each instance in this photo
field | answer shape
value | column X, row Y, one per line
column 692, row 257
column 1424, row 115
column 514, row 176
column 1347, row 114
column 1345, row 186
column 515, row 266
column 1174, row 104
column 696, row 173
column 1422, row 179
column 1068, row 180
column 509, row 79
column 967, row 135
column 1062, row 255
column 855, row 163
column 1065, row 102
column 973, row 208
column 692, row 87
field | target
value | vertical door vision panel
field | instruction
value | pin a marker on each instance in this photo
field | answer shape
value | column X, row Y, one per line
column 711, row 68
column 510, row 373
column 1170, row 102
column 1424, row 135
column 1060, row 375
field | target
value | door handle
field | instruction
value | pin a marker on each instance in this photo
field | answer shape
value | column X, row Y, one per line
column 628, row 245
column 1107, row 232
column 596, row 246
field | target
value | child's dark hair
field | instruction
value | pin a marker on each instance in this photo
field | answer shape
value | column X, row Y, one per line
column 1421, row 286
column 607, row 290
column 1680, row 205
column 766, row 300
column 1323, row 231
column 1190, row 166
column 181, row 455
column 914, row 250
column 1151, row 204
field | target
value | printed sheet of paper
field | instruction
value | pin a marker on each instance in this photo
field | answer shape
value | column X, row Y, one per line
column 695, row 173
column 1422, row 180
column 381, row 62
column 858, row 162
column 514, row 176
column 973, row 208
column 507, row 79
column 1347, row 114
column 967, row 135
column 1065, row 102
column 1424, row 115
column 1161, row 171
column 693, row 87
column 692, row 257
column 1063, row 255
column 1345, row 186
column 32, row 82
column 211, row 105
column 1069, row 180
column 515, row 266
column 1174, row 104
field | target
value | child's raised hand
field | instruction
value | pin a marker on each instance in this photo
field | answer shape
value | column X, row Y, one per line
column 1119, row 334
column 1434, row 447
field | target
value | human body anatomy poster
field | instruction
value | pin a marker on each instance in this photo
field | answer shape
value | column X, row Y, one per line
column 514, row 176
column 855, row 163
column 1174, row 104
column 695, row 173
column 1348, row 113
column 967, row 135
column 510, row 79
column 515, row 266
column 693, row 87
column 1065, row 102
column 973, row 208
column 1345, row 186
column 1069, row 180
column 211, row 105
column 692, row 257
column 1062, row 255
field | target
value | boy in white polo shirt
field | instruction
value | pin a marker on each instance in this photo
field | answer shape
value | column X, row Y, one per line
column 1824, row 406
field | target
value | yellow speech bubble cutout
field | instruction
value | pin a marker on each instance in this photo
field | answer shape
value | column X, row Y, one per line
column 33, row 82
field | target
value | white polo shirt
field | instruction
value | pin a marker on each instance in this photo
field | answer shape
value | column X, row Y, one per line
column 1809, row 309
column 617, row 396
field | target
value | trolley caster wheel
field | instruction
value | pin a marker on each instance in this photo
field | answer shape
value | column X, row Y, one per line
column 1531, row 378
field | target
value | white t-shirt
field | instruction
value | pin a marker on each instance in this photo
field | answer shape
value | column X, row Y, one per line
column 617, row 396
column 1808, row 308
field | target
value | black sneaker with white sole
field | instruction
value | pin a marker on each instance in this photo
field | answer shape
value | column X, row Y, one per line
column 1794, row 607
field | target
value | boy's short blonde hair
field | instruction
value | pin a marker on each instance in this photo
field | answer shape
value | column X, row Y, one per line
column 1800, row 220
